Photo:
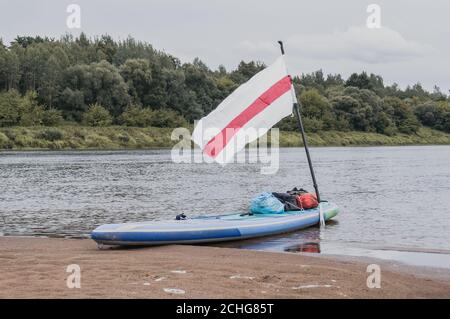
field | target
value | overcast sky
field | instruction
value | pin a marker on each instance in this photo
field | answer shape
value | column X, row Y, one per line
column 412, row 45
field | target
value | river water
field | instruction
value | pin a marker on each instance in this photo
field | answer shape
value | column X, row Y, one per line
column 391, row 198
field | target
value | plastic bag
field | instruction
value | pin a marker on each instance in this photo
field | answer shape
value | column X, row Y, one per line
column 266, row 203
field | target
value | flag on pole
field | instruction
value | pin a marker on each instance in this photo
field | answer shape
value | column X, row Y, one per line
column 246, row 114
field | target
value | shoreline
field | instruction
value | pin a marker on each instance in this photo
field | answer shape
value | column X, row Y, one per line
column 135, row 138
column 156, row 148
column 35, row 267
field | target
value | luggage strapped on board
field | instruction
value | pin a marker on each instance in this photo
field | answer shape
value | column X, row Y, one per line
column 297, row 199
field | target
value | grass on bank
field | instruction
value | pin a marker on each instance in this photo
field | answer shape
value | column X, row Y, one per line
column 122, row 137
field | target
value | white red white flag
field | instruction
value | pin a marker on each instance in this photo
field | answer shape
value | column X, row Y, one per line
column 246, row 114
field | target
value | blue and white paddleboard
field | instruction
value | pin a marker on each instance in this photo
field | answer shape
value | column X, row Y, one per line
column 211, row 228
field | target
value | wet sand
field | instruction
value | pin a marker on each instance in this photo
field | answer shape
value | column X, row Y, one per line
column 36, row 268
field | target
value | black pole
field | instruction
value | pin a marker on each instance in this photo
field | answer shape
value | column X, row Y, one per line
column 297, row 106
column 281, row 47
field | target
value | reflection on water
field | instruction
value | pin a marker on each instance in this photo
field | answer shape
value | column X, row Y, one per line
column 308, row 241
column 302, row 241
column 304, row 248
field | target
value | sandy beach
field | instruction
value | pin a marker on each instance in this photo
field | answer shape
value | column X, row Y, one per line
column 36, row 268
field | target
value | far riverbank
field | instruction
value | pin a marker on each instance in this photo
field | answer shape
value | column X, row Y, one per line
column 120, row 137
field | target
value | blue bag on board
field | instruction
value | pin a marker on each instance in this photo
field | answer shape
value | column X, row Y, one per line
column 266, row 203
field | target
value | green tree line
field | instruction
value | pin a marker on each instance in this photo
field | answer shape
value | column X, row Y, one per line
column 100, row 82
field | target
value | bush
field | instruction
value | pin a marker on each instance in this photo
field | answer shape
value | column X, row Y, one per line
column 97, row 115
column 288, row 124
column 123, row 138
column 390, row 130
column 435, row 115
column 32, row 116
column 141, row 117
column 312, row 124
column 167, row 118
column 341, row 124
column 409, row 126
column 51, row 135
column 401, row 114
column 10, row 133
column 25, row 111
column 52, row 117
column 136, row 116
column 24, row 140
column 94, row 140
column 5, row 143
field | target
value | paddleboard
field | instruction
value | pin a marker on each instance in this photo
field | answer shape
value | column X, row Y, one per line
column 210, row 228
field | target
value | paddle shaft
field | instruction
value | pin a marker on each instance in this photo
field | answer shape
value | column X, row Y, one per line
column 297, row 106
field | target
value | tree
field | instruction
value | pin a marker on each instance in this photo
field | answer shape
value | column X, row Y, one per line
column 72, row 104
column 179, row 97
column 357, row 106
column 9, row 108
column 31, row 113
column 345, row 109
column 314, row 80
column 199, row 80
column 132, row 49
column 33, row 61
column 317, row 111
column 50, row 86
column 245, row 71
column 26, row 41
column 415, row 91
column 138, row 76
column 360, row 81
column 437, row 95
column 94, row 83
column 428, row 113
column 71, row 73
column 314, row 105
column 435, row 115
column 9, row 69
column 334, row 80
column 225, row 85
column 402, row 115
column 106, row 48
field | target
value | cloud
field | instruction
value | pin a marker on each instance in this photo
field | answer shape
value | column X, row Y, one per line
column 358, row 43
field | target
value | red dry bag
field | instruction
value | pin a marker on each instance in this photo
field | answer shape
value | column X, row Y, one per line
column 307, row 201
